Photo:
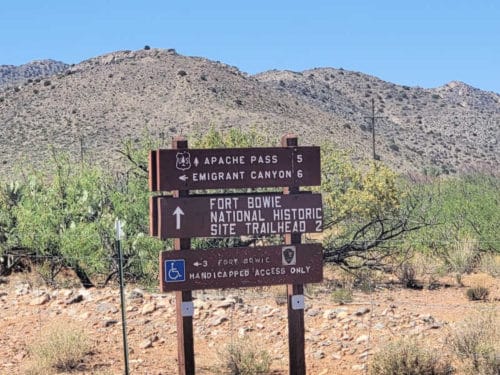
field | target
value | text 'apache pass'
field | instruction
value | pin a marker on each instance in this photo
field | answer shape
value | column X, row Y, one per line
column 191, row 169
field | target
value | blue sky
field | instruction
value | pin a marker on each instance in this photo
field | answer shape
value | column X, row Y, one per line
column 423, row 43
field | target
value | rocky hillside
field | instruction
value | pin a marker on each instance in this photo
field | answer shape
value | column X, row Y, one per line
column 93, row 106
column 14, row 75
column 451, row 128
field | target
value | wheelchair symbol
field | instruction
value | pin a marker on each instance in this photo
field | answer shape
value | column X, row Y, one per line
column 175, row 270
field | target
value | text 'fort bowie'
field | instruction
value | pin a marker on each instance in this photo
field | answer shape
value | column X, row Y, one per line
column 226, row 212
column 240, row 215
column 241, row 267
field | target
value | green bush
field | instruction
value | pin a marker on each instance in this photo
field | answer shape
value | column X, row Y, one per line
column 65, row 214
column 460, row 209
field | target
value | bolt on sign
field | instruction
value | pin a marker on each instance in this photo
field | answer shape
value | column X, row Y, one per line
column 241, row 267
column 191, row 169
column 237, row 215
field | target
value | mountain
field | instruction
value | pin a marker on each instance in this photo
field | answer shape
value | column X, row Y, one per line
column 93, row 106
column 12, row 75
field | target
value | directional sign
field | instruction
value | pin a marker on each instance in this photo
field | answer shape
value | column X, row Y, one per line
column 190, row 169
column 236, row 215
column 241, row 267
column 177, row 213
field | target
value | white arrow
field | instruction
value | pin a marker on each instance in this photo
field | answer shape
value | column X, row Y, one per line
column 196, row 162
column 183, row 177
column 177, row 213
column 197, row 264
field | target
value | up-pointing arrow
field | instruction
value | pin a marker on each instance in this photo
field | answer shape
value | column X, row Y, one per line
column 177, row 213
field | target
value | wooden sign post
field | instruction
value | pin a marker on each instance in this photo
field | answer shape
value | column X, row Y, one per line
column 184, row 301
column 182, row 216
column 295, row 292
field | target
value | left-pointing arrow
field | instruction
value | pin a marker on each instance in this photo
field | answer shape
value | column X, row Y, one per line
column 183, row 177
column 177, row 213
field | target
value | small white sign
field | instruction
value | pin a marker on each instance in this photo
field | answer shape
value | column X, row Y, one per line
column 298, row 302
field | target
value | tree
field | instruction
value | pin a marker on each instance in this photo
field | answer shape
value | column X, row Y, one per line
column 59, row 218
column 66, row 217
column 466, row 208
column 365, row 211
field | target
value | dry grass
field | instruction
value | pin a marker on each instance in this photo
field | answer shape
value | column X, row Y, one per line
column 243, row 357
column 59, row 347
column 461, row 258
column 490, row 264
column 476, row 342
column 410, row 357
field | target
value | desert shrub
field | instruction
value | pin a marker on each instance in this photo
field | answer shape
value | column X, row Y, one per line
column 243, row 357
column 342, row 295
column 366, row 208
column 461, row 258
column 490, row 264
column 477, row 293
column 407, row 275
column 476, row 342
column 67, row 215
column 60, row 347
column 181, row 73
column 463, row 208
column 409, row 357
column 426, row 267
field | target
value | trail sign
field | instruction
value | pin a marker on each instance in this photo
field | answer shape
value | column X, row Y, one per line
column 184, row 216
column 189, row 169
column 236, row 215
column 240, row 267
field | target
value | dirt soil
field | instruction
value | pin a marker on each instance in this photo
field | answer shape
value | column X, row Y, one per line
column 339, row 338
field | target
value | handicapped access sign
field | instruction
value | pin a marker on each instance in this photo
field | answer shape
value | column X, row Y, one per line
column 175, row 270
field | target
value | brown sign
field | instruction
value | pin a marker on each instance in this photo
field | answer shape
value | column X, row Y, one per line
column 241, row 267
column 191, row 169
column 237, row 215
